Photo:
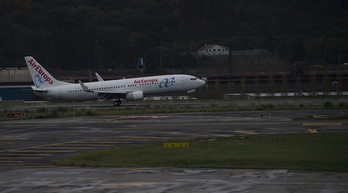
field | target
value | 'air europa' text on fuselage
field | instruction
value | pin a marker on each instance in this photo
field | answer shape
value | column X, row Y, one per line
column 37, row 68
column 144, row 81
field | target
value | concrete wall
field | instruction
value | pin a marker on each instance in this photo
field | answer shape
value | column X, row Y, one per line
column 17, row 93
column 14, row 75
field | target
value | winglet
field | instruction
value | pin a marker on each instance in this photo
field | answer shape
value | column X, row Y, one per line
column 84, row 87
column 99, row 77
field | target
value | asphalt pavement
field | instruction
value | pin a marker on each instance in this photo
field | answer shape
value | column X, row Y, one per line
column 28, row 147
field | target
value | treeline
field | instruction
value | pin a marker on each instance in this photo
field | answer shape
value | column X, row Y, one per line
column 112, row 34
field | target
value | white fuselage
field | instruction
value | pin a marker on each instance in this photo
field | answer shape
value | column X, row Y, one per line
column 148, row 85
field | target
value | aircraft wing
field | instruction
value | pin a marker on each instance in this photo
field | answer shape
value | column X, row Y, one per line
column 105, row 94
column 84, row 87
column 110, row 92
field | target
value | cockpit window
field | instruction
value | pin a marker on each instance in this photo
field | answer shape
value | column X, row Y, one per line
column 193, row 78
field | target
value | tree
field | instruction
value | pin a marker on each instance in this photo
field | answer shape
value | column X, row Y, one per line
column 62, row 30
column 296, row 50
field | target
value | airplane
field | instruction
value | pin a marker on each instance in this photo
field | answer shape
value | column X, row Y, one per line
column 46, row 86
column 99, row 77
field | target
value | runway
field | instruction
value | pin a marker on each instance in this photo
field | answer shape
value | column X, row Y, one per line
column 171, row 180
column 37, row 142
column 34, row 144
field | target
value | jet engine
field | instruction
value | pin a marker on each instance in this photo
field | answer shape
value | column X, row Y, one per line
column 136, row 95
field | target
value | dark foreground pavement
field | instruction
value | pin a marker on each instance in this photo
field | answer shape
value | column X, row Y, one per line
column 156, row 180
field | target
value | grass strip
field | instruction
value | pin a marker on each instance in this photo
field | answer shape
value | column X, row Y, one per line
column 77, row 112
column 280, row 151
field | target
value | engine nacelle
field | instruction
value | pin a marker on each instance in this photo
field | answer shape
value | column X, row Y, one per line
column 136, row 95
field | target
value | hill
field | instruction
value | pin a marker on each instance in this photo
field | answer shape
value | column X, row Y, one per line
column 111, row 34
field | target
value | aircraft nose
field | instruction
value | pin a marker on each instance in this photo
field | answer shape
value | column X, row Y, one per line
column 201, row 82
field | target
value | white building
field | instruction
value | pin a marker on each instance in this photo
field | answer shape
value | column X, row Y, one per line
column 213, row 50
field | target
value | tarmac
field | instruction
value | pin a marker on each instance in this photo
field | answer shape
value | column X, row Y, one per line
column 28, row 147
column 159, row 180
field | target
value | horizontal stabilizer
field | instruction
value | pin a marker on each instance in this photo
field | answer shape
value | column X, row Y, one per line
column 39, row 90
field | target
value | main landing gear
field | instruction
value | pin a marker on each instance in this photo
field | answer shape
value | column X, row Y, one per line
column 117, row 102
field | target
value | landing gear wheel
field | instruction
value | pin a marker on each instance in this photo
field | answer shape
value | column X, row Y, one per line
column 117, row 102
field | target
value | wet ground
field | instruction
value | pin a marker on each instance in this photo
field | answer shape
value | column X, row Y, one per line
column 28, row 147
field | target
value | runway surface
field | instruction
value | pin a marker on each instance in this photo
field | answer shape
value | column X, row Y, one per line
column 160, row 180
column 39, row 141
column 33, row 144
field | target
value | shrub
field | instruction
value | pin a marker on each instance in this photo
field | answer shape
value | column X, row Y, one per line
column 54, row 113
column 41, row 110
column 342, row 105
column 328, row 105
column 90, row 113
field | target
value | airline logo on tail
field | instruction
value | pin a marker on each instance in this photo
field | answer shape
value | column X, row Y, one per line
column 41, row 77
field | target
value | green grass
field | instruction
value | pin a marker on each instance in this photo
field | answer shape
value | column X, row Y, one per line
column 152, row 107
column 283, row 151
